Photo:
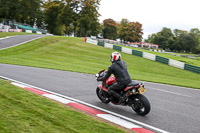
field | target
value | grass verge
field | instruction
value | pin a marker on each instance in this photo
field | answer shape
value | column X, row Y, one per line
column 195, row 61
column 23, row 111
column 72, row 54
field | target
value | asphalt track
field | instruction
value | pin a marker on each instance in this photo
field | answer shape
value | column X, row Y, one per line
column 17, row 40
column 174, row 109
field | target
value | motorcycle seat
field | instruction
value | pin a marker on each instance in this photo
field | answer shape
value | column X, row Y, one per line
column 133, row 83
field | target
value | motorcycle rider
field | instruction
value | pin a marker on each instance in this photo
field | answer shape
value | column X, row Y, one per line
column 119, row 69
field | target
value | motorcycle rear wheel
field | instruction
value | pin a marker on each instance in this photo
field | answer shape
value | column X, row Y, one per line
column 141, row 105
column 102, row 95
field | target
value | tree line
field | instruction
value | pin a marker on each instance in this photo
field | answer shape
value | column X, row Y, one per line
column 59, row 17
column 124, row 30
column 80, row 18
column 67, row 17
column 178, row 40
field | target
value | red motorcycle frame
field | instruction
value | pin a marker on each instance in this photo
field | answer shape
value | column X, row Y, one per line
column 132, row 94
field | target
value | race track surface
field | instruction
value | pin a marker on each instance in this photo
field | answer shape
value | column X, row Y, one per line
column 174, row 109
column 15, row 40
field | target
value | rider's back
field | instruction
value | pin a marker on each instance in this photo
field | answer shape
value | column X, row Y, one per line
column 119, row 69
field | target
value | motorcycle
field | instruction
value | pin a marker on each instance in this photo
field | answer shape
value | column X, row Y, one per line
column 132, row 94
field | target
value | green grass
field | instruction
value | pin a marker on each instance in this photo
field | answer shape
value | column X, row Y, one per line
column 72, row 54
column 195, row 61
column 5, row 34
column 23, row 111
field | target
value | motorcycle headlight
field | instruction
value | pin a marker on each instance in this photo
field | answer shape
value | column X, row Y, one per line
column 97, row 75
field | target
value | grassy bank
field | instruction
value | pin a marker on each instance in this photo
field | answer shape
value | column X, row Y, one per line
column 173, row 56
column 72, row 54
column 5, row 34
column 23, row 111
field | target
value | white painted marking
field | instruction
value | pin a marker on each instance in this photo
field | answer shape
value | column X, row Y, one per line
column 19, row 85
column 90, row 105
column 149, row 56
column 28, row 31
column 118, row 120
column 177, row 64
column 192, row 89
column 38, row 32
column 91, row 41
column 57, row 98
column 107, row 45
column 171, row 92
column 127, row 50
column 21, row 43
column 6, row 37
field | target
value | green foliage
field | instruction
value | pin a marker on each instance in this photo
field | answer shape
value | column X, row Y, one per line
column 130, row 31
column 52, row 11
column 59, row 17
column 21, row 10
column 78, row 17
column 179, row 40
column 110, row 29
column 135, row 32
column 88, row 21
column 23, row 111
column 126, row 31
column 123, row 29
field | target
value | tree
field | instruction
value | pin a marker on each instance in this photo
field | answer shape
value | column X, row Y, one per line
column 152, row 39
column 196, row 33
column 130, row 31
column 10, row 9
column 20, row 10
column 164, row 38
column 187, row 42
column 197, row 49
column 88, row 22
column 180, row 40
column 110, row 29
column 135, row 32
column 178, row 32
column 31, row 10
column 67, row 14
column 123, row 29
column 52, row 10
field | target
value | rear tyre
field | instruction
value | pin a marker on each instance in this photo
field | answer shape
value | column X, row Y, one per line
column 140, row 104
column 102, row 95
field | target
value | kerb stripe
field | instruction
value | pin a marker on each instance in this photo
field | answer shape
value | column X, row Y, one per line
column 90, row 110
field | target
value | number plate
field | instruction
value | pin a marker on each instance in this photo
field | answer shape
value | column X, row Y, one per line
column 141, row 90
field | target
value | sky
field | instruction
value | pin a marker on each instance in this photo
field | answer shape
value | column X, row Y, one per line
column 153, row 14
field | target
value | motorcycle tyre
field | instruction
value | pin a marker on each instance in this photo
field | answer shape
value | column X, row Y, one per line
column 103, row 99
column 144, row 102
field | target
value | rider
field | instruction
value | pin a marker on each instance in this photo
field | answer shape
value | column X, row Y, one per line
column 119, row 69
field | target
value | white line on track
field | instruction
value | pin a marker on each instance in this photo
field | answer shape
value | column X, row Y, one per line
column 170, row 92
column 193, row 89
column 90, row 105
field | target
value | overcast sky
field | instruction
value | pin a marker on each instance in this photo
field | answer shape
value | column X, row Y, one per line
column 154, row 14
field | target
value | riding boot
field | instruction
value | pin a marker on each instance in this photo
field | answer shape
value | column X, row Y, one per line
column 115, row 94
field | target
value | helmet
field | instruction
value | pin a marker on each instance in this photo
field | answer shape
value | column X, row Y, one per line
column 115, row 56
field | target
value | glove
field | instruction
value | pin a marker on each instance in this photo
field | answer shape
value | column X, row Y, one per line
column 99, row 79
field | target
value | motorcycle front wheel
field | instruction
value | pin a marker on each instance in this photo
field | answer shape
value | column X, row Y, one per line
column 102, row 95
column 140, row 104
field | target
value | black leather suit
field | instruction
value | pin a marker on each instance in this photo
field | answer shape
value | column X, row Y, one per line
column 119, row 69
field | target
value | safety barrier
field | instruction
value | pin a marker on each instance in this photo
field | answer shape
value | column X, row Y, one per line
column 33, row 31
column 146, row 55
